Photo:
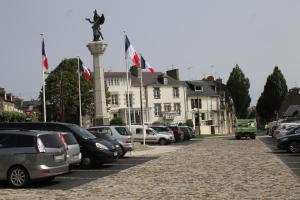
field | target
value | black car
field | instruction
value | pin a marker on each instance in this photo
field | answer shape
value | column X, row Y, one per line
column 94, row 151
column 106, row 136
column 291, row 141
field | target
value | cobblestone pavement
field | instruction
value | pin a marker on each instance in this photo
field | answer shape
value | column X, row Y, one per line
column 213, row 168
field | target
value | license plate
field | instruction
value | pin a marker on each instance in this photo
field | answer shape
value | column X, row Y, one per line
column 59, row 158
column 115, row 153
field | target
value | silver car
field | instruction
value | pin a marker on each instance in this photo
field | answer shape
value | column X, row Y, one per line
column 120, row 133
column 27, row 155
column 73, row 148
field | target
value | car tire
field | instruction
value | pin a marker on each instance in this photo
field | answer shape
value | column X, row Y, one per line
column 252, row 137
column 294, row 147
column 162, row 141
column 238, row 137
column 122, row 152
column 18, row 177
column 87, row 162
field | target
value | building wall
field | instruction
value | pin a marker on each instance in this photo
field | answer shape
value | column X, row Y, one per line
column 166, row 97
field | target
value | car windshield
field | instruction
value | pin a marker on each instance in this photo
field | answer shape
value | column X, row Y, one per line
column 123, row 131
column 81, row 132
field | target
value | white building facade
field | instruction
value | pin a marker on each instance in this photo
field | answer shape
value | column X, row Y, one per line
column 163, row 98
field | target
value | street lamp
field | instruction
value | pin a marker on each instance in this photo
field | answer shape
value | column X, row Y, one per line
column 198, row 112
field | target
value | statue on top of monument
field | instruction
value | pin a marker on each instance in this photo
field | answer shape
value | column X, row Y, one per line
column 96, row 25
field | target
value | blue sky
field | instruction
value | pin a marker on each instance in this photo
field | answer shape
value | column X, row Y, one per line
column 199, row 37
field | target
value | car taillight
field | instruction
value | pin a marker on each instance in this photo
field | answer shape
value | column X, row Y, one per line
column 129, row 140
column 61, row 136
column 40, row 146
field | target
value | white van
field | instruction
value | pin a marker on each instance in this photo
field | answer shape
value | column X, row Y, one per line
column 151, row 136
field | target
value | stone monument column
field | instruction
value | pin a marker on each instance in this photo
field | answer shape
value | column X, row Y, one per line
column 97, row 49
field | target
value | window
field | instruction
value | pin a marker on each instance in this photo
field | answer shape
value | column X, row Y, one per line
column 8, row 140
column 198, row 88
column 196, row 103
column 167, row 107
column 123, row 131
column 156, row 93
column 157, row 109
column 176, row 92
column 51, row 141
column 203, row 116
column 177, row 108
column 139, row 131
column 130, row 100
column 114, row 99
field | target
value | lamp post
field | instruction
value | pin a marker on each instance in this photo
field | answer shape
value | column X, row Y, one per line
column 198, row 114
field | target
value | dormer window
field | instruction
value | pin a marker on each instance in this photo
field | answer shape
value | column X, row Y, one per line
column 198, row 89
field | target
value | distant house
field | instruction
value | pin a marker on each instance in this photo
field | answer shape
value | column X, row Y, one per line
column 9, row 102
column 163, row 98
column 209, row 104
column 291, row 104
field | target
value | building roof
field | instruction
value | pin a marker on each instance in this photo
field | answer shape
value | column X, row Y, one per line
column 292, row 110
column 148, row 78
column 207, row 90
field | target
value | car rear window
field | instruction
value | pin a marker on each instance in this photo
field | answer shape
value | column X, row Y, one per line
column 51, row 141
column 160, row 129
column 123, row 131
column 69, row 138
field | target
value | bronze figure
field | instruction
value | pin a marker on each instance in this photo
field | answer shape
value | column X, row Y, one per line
column 96, row 25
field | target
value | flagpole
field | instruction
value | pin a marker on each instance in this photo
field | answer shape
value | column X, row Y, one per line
column 44, row 93
column 141, row 100
column 79, row 94
column 127, row 84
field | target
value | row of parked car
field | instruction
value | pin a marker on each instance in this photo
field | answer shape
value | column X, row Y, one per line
column 41, row 151
column 287, row 134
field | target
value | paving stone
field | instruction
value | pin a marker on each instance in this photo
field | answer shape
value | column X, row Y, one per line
column 214, row 168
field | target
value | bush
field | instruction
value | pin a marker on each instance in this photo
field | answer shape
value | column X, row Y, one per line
column 117, row 121
column 189, row 123
column 7, row 116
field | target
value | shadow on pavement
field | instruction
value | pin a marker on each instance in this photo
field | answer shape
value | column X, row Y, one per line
column 79, row 176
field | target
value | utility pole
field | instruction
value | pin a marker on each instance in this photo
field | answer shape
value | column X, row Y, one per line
column 198, row 113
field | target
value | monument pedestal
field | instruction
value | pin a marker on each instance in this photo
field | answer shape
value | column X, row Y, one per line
column 97, row 49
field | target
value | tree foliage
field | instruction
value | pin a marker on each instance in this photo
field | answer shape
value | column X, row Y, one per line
column 117, row 121
column 7, row 116
column 238, row 86
column 272, row 96
column 62, row 96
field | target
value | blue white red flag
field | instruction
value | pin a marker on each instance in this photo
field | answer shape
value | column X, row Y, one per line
column 129, row 50
column 85, row 70
column 44, row 57
column 145, row 64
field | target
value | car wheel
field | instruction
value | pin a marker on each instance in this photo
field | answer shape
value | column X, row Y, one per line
column 18, row 177
column 294, row 147
column 237, row 137
column 87, row 162
column 252, row 137
column 162, row 141
column 122, row 152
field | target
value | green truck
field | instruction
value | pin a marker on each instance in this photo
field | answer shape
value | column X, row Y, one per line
column 245, row 128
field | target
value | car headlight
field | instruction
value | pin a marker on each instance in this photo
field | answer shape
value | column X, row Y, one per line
column 101, row 146
column 283, row 139
column 117, row 145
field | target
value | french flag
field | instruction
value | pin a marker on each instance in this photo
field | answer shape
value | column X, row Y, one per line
column 85, row 70
column 44, row 57
column 129, row 50
column 145, row 64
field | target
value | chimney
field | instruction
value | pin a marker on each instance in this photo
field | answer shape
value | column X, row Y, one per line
column 174, row 73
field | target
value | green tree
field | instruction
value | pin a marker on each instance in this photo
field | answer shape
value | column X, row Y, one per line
column 62, row 93
column 272, row 96
column 117, row 121
column 238, row 86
